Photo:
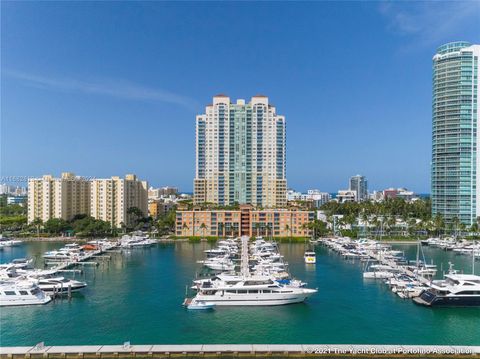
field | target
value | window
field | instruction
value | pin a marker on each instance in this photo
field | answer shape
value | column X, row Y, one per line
column 23, row 292
column 9, row 292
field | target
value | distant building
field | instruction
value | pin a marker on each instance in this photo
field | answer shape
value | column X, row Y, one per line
column 240, row 153
column 293, row 195
column 322, row 216
column 313, row 195
column 12, row 190
column 344, row 196
column 455, row 138
column 245, row 221
column 358, row 184
column 158, row 207
column 162, row 192
column 112, row 198
column 318, row 198
column 376, row 196
column 63, row 197
column 21, row 200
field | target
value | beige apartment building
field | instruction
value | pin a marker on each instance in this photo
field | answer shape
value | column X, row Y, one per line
column 106, row 199
column 63, row 197
column 111, row 198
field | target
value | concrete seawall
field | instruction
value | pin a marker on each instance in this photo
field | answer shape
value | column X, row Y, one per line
column 239, row 350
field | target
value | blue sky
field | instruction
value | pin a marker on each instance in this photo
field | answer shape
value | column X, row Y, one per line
column 108, row 88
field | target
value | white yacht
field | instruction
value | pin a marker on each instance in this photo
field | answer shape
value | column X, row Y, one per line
column 456, row 290
column 22, row 293
column 310, row 257
column 136, row 241
column 59, row 285
column 380, row 271
column 58, row 256
column 250, row 291
column 218, row 263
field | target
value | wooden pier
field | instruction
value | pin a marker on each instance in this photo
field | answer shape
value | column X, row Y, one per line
column 378, row 256
column 83, row 261
column 244, row 257
column 240, row 350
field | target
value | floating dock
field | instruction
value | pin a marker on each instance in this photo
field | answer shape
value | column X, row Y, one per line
column 240, row 350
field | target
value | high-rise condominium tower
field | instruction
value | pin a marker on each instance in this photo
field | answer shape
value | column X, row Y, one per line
column 240, row 154
column 455, row 141
column 359, row 185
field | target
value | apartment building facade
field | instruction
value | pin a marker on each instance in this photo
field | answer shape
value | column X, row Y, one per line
column 64, row 197
column 245, row 221
column 240, row 153
column 111, row 199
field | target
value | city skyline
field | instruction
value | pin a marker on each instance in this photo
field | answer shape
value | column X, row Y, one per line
column 127, row 105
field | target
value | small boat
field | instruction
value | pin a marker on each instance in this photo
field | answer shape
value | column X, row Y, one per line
column 310, row 257
column 59, row 285
column 193, row 304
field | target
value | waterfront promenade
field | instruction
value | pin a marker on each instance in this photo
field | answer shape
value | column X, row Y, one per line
column 239, row 350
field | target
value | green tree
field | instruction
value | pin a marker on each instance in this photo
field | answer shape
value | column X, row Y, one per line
column 438, row 224
column 56, row 226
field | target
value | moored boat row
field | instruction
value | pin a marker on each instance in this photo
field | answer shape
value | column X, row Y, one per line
column 253, row 274
column 411, row 279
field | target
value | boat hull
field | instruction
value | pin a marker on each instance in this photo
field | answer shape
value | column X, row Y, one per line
column 239, row 300
column 448, row 301
column 23, row 302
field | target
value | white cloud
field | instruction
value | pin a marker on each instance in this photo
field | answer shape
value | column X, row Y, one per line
column 114, row 88
column 431, row 23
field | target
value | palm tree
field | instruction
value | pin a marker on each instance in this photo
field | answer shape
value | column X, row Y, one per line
column 184, row 227
column 455, row 225
column 411, row 224
column 203, row 227
column 288, row 229
column 438, row 223
column 364, row 218
column 37, row 222
column 391, row 222
column 256, row 226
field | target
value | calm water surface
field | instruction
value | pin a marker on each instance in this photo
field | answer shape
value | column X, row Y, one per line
column 137, row 297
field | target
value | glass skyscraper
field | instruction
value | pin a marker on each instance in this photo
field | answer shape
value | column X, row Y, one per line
column 455, row 141
column 358, row 184
column 240, row 154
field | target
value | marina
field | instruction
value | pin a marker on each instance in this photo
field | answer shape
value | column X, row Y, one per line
column 21, row 284
column 145, row 288
column 260, row 279
column 413, row 279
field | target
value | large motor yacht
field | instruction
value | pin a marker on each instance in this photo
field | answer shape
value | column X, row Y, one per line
column 22, row 293
column 456, row 290
column 251, row 290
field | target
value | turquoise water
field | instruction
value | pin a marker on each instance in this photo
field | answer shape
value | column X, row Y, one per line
column 137, row 297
